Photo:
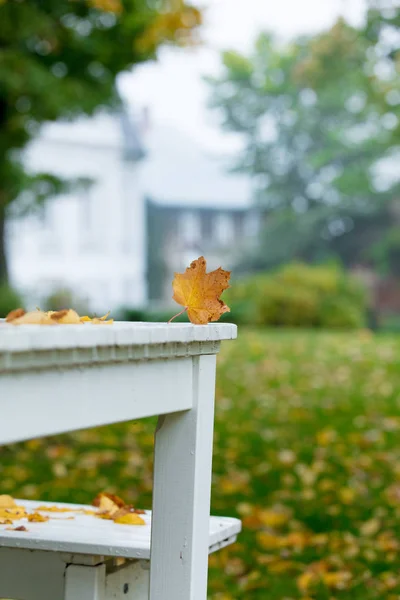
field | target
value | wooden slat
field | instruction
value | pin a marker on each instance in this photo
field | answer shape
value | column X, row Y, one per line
column 89, row 535
column 35, row 404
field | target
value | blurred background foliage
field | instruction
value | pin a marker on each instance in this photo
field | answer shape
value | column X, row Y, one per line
column 318, row 118
column 60, row 59
column 300, row 295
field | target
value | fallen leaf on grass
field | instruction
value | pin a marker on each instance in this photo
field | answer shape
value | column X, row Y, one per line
column 198, row 292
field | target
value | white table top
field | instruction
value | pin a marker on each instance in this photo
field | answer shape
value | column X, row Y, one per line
column 86, row 534
column 23, row 338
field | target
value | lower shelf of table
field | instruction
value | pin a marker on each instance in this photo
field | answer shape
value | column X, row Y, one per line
column 85, row 534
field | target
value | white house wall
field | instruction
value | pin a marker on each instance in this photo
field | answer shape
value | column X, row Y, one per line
column 90, row 241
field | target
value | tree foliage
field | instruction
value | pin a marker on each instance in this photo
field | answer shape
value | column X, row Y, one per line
column 59, row 59
column 314, row 121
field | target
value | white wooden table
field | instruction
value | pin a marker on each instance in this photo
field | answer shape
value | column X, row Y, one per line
column 64, row 378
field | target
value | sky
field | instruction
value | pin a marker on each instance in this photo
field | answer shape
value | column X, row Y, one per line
column 172, row 88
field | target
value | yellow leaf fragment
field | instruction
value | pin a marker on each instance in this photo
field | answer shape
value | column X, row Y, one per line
column 370, row 527
column 14, row 514
column 4, row 521
column 199, row 292
column 130, row 518
column 7, row 501
column 53, row 509
column 65, row 317
column 34, row 317
column 37, row 518
column 97, row 320
column 108, row 503
column 14, row 314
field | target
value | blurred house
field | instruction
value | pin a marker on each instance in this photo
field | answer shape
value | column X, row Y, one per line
column 155, row 203
column 193, row 207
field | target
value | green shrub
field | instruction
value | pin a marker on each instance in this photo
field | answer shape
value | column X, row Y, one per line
column 150, row 315
column 299, row 295
column 9, row 299
column 65, row 298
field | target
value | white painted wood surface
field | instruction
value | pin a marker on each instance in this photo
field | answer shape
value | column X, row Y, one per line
column 28, row 575
column 26, row 338
column 85, row 583
column 39, row 403
column 61, row 378
column 181, row 494
column 86, row 534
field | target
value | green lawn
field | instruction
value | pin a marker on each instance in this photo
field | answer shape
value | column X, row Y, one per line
column 307, row 453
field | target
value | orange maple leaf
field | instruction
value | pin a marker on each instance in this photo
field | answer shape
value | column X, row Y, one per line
column 199, row 292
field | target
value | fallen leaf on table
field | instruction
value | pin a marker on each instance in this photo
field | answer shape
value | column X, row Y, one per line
column 130, row 518
column 113, row 508
column 97, row 320
column 7, row 501
column 20, row 528
column 108, row 503
column 198, row 292
column 34, row 317
column 55, row 509
column 65, row 317
column 15, row 314
column 13, row 513
column 37, row 518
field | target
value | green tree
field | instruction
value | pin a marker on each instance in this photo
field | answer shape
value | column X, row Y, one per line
column 59, row 59
column 313, row 126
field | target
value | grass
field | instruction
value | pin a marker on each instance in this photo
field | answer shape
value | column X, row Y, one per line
column 307, row 453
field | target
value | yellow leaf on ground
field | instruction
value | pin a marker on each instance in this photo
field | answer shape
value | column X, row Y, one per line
column 339, row 579
column 370, row 527
column 306, row 580
column 274, row 517
column 199, row 292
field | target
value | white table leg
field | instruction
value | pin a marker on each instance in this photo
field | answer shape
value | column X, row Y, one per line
column 85, row 583
column 181, row 494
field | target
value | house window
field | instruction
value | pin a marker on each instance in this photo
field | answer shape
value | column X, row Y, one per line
column 224, row 229
column 252, row 224
column 238, row 224
column 207, row 226
column 86, row 211
column 190, row 227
